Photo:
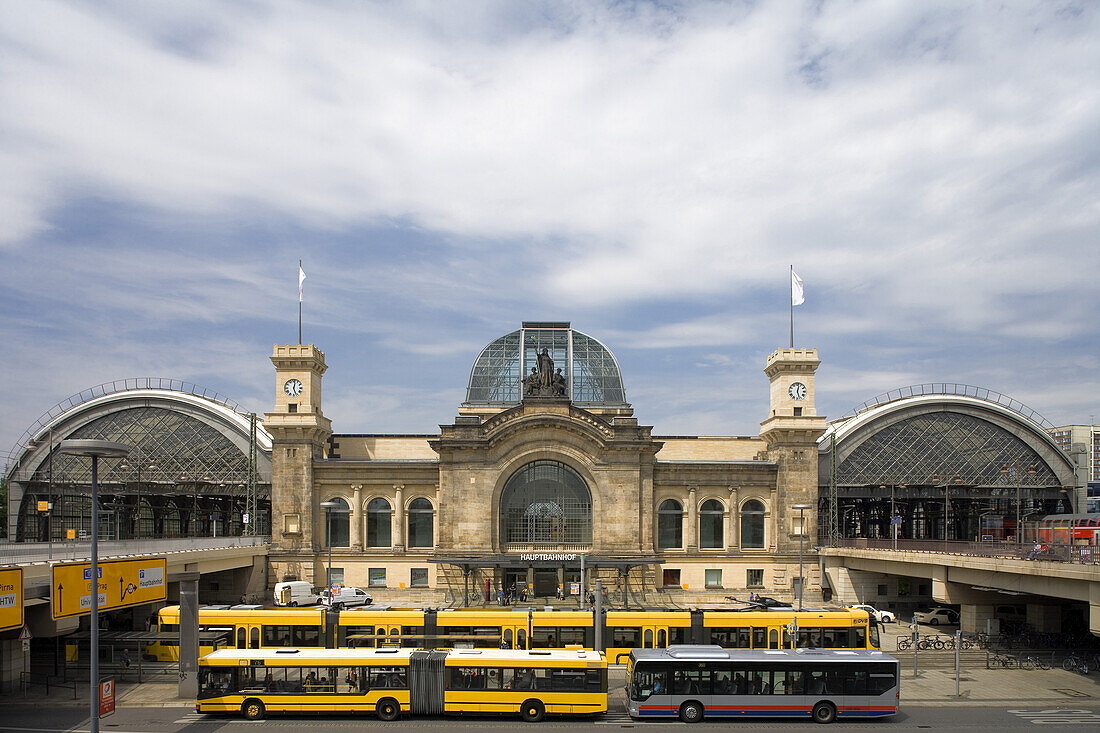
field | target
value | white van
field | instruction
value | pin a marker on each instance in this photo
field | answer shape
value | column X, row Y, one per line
column 295, row 593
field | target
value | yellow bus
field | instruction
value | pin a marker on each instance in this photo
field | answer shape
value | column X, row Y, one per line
column 244, row 627
column 394, row 681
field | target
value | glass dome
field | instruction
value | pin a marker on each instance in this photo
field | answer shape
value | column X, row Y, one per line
column 592, row 375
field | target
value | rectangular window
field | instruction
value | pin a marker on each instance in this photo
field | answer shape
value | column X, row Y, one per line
column 376, row 577
column 714, row 578
column 418, row 577
column 882, row 590
column 671, row 578
column 755, row 578
column 291, row 524
column 292, row 408
column 903, row 587
column 798, row 412
column 336, row 576
column 626, row 638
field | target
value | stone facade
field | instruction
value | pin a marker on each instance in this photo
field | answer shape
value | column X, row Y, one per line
column 714, row 490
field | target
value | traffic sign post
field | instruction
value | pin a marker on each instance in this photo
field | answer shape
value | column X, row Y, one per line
column 11, row 598
column 121, row 583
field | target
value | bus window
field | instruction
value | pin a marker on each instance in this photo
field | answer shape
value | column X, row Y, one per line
column 861, row 636
column 307, row 636
column 507, row 639
column 759, row 637
column 648, row 639
column 625, row 638
column 521, row 639
column 773, row 639
column 662, row 640
column 240, row 638
column 254, row 638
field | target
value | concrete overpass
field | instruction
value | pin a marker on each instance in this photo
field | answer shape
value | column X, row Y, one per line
column 978, row 580
column 229, row 568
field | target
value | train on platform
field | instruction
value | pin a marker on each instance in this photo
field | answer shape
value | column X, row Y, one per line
column 1063, row 529
column 256, row 627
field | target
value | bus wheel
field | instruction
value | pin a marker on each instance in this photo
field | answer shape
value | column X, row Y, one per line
column 533, row 711
column 253, row 709
column 824, row 712
column 691, row 712
column 388, row 709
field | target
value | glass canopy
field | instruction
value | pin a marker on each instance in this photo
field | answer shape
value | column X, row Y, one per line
column 592, row 375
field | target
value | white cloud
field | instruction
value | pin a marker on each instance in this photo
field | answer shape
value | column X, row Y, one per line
column 929, row 168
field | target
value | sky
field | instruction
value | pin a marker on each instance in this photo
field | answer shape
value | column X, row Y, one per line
column 647, row 171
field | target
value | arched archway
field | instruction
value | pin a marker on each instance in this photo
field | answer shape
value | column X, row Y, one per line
column 545, row 503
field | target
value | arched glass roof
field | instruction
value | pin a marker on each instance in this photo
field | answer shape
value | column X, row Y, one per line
column 945, row 444
column 592, row 375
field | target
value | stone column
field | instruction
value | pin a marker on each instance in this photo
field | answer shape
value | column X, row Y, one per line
column 189, row 636
column 735, row 519
column 399, row 519
column 356, row 518
column 435, row 519
column 693, row 522
column 773, row 519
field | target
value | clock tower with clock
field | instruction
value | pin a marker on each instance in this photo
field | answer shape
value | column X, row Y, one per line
column 299, row 433
column 791, row 432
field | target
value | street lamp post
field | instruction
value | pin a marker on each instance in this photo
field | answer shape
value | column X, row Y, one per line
column 96, row 449
column 801, row 538
column 329, row 506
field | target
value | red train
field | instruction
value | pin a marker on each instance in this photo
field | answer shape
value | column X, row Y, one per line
column 1064, row 529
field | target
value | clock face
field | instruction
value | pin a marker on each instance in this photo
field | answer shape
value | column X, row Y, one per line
column 293, row 387
column 797, row 391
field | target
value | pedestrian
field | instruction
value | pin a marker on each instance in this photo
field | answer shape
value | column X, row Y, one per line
column 752, row 598
column 125, row 659
column 523, row 594
column 500, row 596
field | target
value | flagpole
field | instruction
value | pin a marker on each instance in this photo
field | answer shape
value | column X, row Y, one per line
column 300, row 304
column 790, row 281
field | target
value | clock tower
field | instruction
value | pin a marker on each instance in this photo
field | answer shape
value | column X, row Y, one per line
column 791, row 432
column 299, row 433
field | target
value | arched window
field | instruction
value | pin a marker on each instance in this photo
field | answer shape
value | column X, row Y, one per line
column 710, row 525
column 752, row 525
column 670, row 525
column 420, row 523
column 337, row 523
column 378, row 523
column 546, row 502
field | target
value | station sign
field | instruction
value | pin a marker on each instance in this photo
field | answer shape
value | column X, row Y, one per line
column 11, row 598
column 121, row 583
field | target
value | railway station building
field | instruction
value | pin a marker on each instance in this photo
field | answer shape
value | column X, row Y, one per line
column 543, row 467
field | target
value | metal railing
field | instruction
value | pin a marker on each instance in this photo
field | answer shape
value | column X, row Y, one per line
column 1082, row 554
column 30, row 552
column 548, row 547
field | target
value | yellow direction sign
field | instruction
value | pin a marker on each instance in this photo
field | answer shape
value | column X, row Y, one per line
column 11, row 598
column 121, row 583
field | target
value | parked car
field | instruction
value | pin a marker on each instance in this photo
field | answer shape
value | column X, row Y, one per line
column 295, row 593
column 347, row 596
column 883, row 617
column 935, row 616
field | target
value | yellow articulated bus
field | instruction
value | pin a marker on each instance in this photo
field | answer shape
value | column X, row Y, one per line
column 395, row 681
column 244, row 627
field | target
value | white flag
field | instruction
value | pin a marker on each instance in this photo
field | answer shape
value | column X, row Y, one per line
column 301, row 278
column 797, row 298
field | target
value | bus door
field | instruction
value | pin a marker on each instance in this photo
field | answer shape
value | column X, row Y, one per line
column 392, row 635
column 654, row 636
column 513, row 636
column 248, row 636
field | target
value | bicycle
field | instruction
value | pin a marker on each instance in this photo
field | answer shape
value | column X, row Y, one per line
column 1035, row 662
column 1004, row 661
column 904, row 643
column 1074, row 663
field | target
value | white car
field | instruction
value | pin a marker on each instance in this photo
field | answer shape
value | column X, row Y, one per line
column 935, row 616
column 347, row 596
column 883, row 617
